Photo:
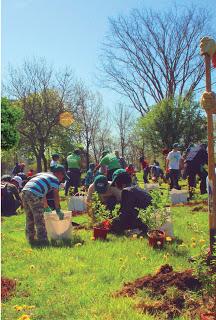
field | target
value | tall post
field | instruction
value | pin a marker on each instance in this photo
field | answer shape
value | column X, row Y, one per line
column 210, row 108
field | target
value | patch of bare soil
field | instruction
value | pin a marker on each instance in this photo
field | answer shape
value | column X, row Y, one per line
column 7, row 287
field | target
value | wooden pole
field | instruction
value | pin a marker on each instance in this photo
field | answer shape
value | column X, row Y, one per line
column 211, row 162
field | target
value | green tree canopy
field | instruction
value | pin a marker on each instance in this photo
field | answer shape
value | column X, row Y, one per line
column 10, row 117
column 172, row 120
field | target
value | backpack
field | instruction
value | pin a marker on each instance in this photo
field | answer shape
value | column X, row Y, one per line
column 197, row 156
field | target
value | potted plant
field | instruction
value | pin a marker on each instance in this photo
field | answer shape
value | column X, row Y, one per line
column 100, row 218
column 154, row 216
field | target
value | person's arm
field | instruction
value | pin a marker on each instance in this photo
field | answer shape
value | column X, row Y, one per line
column 57, row 204
column 97, row 167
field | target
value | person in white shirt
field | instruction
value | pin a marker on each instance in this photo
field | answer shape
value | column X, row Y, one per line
column 54, row 161
column 173, row 166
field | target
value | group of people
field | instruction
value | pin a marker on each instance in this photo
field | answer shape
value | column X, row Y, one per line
column 111, row 178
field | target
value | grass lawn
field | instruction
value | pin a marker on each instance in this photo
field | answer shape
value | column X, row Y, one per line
column 77, row 282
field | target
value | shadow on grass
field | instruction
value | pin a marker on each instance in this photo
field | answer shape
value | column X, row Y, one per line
column 58, row 243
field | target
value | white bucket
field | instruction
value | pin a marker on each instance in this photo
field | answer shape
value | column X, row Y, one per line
column 178, row 196
column 151, row 186
column 77, row 203
column 58, row 229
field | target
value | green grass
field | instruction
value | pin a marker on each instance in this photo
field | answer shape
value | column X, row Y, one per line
column 77, row 282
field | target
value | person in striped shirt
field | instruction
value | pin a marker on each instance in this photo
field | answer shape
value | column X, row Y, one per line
column 35, row 203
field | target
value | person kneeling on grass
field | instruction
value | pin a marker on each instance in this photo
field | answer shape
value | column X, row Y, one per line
column 132, row 198
column 35, row 203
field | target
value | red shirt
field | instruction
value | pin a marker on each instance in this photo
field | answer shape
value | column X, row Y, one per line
column 130, row 170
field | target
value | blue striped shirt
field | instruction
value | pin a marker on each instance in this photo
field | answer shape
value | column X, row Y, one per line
column 41, row 184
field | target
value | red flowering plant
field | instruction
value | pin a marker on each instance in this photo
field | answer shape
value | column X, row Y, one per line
column 101, row 216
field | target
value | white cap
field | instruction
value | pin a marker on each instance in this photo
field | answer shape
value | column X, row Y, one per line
column 17, row 179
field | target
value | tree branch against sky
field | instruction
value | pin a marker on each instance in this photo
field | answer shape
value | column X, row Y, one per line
column 149, row 56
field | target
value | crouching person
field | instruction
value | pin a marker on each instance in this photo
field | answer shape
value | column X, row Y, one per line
column 108, row 195
column 132, row 198
column 35, row 203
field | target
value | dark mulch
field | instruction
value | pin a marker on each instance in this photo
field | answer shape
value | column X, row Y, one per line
column 7, row 287
column 161, row 281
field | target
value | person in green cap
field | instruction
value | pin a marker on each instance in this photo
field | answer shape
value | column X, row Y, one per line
column 108, row 195
column 73, row 172
column 132, row 198
column 35, row 203
column 111, row 161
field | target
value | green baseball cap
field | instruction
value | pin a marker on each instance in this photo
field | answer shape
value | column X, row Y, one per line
column 101, row 183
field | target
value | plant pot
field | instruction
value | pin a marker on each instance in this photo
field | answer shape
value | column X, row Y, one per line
column 100, row 233
column 208, row 316
column 156, row 238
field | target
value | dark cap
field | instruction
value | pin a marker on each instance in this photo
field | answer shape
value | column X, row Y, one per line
column 101, row 184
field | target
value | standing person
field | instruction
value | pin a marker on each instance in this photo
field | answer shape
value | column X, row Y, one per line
column 35, row 203
column 122, row 161
column 145, row 167
column 55, row 159
column 132, row 198
column 89, row 179
column 111, row 161
column 74, row 171
column 195, row 160
column 16, row 169
column 173, row 166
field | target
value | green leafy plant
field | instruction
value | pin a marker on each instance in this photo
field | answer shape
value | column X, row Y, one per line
column 157, row 213
column 99, row 212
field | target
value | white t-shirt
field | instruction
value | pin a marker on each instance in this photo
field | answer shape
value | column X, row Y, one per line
column 174, row 158
column 53, row 163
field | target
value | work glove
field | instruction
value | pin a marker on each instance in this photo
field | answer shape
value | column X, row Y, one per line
column 47, row 210
column 60, row 214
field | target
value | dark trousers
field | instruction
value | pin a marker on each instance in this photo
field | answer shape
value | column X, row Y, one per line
column 125, row 222
column 145, row 175
column 73, row 180
column 174, row 178
column 202, row 173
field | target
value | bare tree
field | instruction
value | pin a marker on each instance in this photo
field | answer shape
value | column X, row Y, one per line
column 150, row 56
column 101, row 138
column 89, row 112
column 122, row 119
column 43, row 95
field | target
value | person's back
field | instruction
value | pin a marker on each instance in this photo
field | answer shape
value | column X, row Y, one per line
column 74, row 161
column 134, row 197
column 10, row 199
column 41, row 184
column 197, row 156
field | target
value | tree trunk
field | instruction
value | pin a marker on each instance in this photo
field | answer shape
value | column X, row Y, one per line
column 39, row 164
column 45, row 162
column 87, row 154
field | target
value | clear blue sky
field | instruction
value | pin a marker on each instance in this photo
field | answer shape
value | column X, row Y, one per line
column 67, row 32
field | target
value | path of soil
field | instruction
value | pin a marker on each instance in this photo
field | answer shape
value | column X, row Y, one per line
column 7, row 287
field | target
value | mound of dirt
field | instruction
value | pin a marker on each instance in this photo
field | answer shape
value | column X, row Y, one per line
column 7, row 286
column 161, row 281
